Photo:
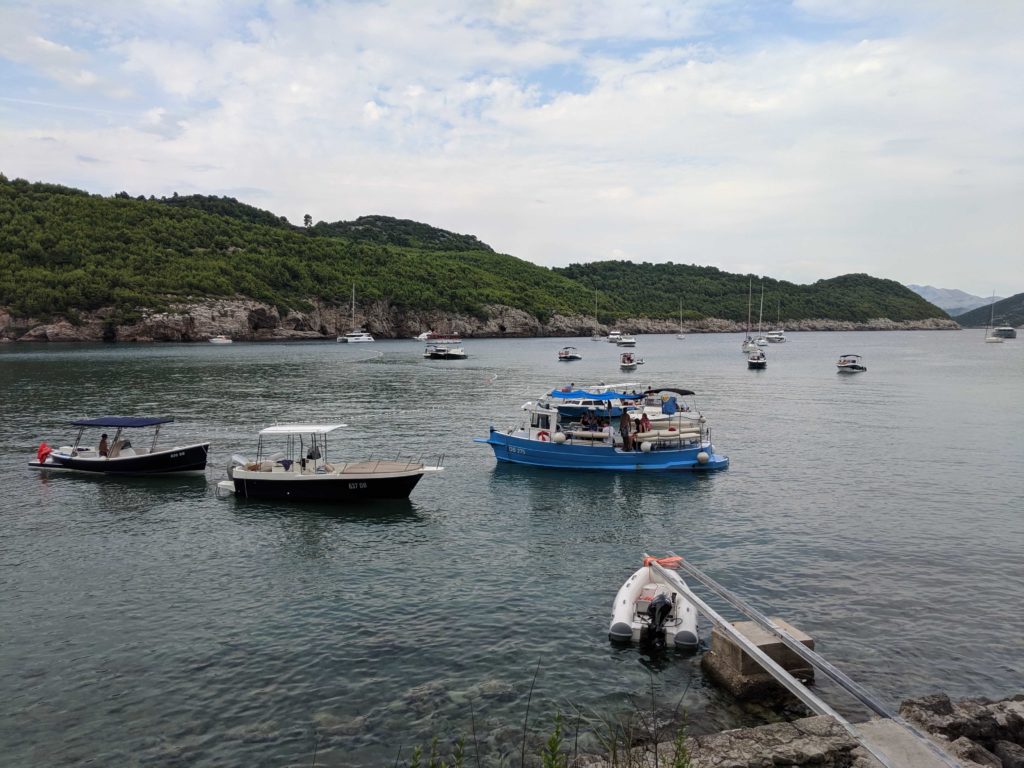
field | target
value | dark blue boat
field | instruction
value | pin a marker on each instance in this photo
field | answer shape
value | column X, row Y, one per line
column 120, row 456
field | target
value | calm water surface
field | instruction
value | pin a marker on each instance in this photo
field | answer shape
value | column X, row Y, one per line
column 151, row 623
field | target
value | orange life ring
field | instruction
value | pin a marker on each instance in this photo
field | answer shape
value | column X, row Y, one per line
column 543, row 436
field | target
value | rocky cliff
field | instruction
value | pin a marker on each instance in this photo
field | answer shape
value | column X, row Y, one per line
column 247, row 320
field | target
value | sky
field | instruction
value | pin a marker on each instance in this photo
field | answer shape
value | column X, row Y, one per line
column 796, row 140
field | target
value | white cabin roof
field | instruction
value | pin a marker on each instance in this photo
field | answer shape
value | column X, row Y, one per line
column 301, row 429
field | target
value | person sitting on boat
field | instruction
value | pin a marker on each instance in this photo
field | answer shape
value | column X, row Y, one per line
column 636, row 431
column 104, row 448
column 645, row 423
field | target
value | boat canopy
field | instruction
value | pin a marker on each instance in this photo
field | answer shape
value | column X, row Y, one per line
column 581, row 394
column 123, row 421
column 673, row 390
column 849, row 355
column 301, row 429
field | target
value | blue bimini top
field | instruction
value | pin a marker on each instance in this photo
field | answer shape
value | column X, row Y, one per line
column 580, row 394
column 123, row 421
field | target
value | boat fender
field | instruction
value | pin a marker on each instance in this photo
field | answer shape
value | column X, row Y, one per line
column 703, row 458
column 645, row 447
column 558, row 438
column 543, row 436
column 620, row 632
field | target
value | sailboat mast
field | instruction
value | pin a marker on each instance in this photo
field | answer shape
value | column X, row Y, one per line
column 353, row 306
column 760, row 310
column 750, row 288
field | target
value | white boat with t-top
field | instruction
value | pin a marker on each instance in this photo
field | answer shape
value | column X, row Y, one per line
column 568, row 354
column 220, row 339
column 614, row 336
column 652, row 612
column 292, row 462
column 628, row 361
column 850, row 364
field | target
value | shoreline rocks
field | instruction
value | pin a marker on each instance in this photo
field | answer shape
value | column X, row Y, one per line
column 977, row 732
column 248, row 320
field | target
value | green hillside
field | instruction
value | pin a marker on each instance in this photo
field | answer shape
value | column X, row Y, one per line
column 1008, row 311
column 64, row 251
column 709, row 292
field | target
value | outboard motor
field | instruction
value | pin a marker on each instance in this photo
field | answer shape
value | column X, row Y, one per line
column 653, row 635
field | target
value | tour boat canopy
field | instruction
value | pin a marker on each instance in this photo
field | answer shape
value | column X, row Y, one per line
column 121, row 422
column 581, row 394
column 301, row 429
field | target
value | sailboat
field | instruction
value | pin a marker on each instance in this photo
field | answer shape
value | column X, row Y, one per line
column 680, row 335
column 356, row 335
column 778, row 334
column 989, row 337
column 760, row 341
column 748, row 343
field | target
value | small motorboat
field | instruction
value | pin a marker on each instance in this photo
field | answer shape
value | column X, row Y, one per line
column 444, row 347
column 850, row 364
column 627, row 361
column 119, row 456
column 652, row 612
column 614, row 336
column 626, row 341
column 303, row 472
column 757, row 359
column 567, row 354
column 423, row 336
column 220, row 339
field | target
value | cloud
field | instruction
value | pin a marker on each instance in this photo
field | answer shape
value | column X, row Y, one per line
column 840, row 137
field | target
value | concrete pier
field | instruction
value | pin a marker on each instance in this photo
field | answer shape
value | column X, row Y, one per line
column 734, row 669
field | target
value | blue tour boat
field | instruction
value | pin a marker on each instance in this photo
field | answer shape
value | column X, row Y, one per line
column 560, row 437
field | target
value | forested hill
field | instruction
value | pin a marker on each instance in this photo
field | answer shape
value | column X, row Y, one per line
column 709, row 292
column 64, row 251
column 1009, row 311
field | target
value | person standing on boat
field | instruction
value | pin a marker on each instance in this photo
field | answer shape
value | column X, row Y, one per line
column 625, row 426
column 104, row 448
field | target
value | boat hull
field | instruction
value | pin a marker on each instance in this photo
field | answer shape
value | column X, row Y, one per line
column 851, row 369
column 627, row 625
column 347, row 488
column 174, row 461
column 537, row 453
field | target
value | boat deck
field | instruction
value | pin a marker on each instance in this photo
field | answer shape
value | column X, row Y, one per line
column 370, row 467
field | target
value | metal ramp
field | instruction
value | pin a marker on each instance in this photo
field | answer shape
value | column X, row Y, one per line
column 892, row 741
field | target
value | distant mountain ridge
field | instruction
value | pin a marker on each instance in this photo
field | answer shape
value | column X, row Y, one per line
column 954, row 302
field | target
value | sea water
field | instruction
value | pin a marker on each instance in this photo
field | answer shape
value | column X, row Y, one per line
column 148, row 622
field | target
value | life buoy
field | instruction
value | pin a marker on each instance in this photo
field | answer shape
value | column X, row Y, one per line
column 543, row 436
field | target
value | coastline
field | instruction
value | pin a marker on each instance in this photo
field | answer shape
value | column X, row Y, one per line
column 248, row 320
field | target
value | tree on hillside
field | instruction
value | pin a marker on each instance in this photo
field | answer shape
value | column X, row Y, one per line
column 307, row 220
